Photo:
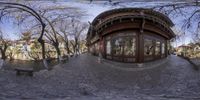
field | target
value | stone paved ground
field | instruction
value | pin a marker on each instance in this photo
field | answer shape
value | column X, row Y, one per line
column 83, row 78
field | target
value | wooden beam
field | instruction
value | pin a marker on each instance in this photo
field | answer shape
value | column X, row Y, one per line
column 142, row 25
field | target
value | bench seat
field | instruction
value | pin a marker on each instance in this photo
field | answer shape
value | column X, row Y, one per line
column 28, row 71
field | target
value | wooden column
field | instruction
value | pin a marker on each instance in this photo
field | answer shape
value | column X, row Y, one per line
column 167, row 47
column 140, row 46
column 101, row 46
column 166, row 51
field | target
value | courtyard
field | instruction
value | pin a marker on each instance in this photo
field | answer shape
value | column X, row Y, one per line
column 99, row 50
column 84, row 78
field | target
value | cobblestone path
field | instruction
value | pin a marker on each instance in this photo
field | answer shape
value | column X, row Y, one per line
column 84, row 78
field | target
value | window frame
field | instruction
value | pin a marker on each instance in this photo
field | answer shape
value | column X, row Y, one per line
column 121, row 34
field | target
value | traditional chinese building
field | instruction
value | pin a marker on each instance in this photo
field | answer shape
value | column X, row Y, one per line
column 130, row 35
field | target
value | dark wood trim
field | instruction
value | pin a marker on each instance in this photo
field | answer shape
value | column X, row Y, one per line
column 141, row 26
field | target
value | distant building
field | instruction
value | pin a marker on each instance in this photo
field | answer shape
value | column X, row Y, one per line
column 190, row 50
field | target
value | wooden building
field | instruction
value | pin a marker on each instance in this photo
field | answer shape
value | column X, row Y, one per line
column 130, row 35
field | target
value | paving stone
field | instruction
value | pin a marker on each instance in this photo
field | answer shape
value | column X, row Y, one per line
column 84, row 78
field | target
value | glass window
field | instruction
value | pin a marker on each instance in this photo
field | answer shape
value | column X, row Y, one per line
column 92, row 49
column 117, row 46
column 129, row 46
column 121, row 46
column 97, row 47
column 157, row 49
column 108, row 47
column 163, row 48
column 148, row 47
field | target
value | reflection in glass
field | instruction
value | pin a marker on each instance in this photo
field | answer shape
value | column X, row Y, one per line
column 96, row 48
column 92, row 49
column 108, row 47
column 129, row 46
column 157, row 50
column 163, row 48
column 117, row 46
column 148, row 47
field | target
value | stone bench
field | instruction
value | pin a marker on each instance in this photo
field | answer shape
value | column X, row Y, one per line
column 27, row 71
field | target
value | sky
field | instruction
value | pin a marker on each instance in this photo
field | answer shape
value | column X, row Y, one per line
column 11, row 30
column 93, row 9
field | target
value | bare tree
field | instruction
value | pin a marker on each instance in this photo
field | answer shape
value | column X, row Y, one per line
column 53, row 38
column 9, row 8
column 52, row 29
column 64, row 34
column 189, row 12
column 78, row 27
column 50, row 15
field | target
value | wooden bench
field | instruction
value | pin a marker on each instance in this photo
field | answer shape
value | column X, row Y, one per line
column 27, row 71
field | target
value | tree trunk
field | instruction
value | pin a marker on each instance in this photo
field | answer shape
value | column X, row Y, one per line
column 58, row 51
column 56, row 45
column 11, row 56
column 67, row 46
column 3, row 51
column 73, row 46
column 41, row 41
column 3, row 54
column 43, row 47
column 76, row 46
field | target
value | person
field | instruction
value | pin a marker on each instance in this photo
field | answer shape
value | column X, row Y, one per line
column 1, row 63
column 45, row 63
